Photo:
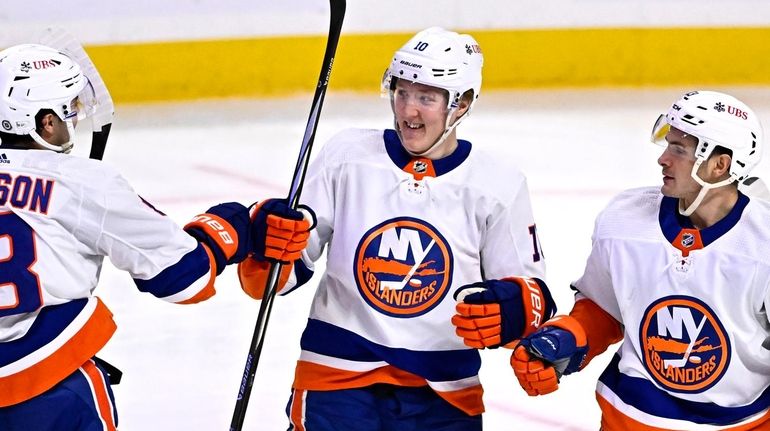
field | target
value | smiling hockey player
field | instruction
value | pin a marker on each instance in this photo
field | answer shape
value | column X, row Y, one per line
column 411, row 215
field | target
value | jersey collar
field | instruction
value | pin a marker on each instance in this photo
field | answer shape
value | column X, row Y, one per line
column 681, row 233
column 421, row 167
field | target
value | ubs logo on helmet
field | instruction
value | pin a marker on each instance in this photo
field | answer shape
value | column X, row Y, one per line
column 685, row 346
column 403, row 267
column 737, row 112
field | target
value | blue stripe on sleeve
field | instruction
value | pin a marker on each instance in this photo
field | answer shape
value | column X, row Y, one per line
column 437, row 366
column 645, row 396
column 178, row 276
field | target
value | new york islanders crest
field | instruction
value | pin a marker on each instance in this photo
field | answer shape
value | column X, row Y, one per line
column 686, row 348
column 403, row 267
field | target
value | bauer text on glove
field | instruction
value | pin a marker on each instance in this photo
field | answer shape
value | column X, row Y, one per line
column 224, row 230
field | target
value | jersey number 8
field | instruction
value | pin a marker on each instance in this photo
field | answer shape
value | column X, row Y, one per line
column 19, row 286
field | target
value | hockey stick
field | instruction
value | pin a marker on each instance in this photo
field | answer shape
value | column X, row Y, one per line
column 337, row 14
column 103, row 107
column 679, row 363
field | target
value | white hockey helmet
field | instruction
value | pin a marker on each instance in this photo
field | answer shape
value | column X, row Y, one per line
column 443, row 59
column 439, row 58
column 715, row 119
column 35, row 77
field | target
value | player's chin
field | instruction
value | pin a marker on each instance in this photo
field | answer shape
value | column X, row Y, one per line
column 668, row 186
column 414, row 140
column 415, row 146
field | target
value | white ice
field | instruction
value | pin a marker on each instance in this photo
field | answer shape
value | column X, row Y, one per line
column 183, row 364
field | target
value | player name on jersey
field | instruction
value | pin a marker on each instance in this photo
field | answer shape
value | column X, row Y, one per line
column 25, row 192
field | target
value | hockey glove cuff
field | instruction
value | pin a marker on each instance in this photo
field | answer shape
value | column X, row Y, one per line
column 224, row 229
column 253, row 275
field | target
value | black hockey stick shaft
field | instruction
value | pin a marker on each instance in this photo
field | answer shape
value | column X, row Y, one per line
column 337, row 9
column 99, row 142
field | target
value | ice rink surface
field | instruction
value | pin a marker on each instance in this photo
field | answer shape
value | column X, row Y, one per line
column 183, row 364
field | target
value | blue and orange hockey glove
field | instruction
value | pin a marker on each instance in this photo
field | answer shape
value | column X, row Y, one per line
column 494, row 313
column 563, row 345
column 224, row 229
column 558, row 348
column 280, row 234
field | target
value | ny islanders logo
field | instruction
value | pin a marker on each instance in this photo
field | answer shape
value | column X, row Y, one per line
column 403, row 267
column 685, row 346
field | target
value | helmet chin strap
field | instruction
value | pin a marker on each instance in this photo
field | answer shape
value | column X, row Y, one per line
column 705, row 187
column 447, row 130
column 63, row 148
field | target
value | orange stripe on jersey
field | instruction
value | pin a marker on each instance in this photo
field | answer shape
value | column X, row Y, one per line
column 761, row 424
column 601, row 329
column 208, row 291
column 49, row 371
column 297, row 412
column 101, row 398
column 614, row 420
column 316, row 377
column 468, row 400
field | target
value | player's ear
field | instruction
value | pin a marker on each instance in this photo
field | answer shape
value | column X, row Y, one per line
column 47, row 125
column 465, row 102
column 721, row 165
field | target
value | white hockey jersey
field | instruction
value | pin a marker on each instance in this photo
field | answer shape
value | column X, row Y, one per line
column 403, row 234
column 694, row 306
column 59, row 216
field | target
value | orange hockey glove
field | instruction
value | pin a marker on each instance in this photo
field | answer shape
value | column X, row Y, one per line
column 280, row 233
column 492, row 313
column 558, row 348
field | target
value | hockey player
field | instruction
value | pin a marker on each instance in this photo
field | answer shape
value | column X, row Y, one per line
column 410, row 215
column 60, row 216
column 681, row 274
